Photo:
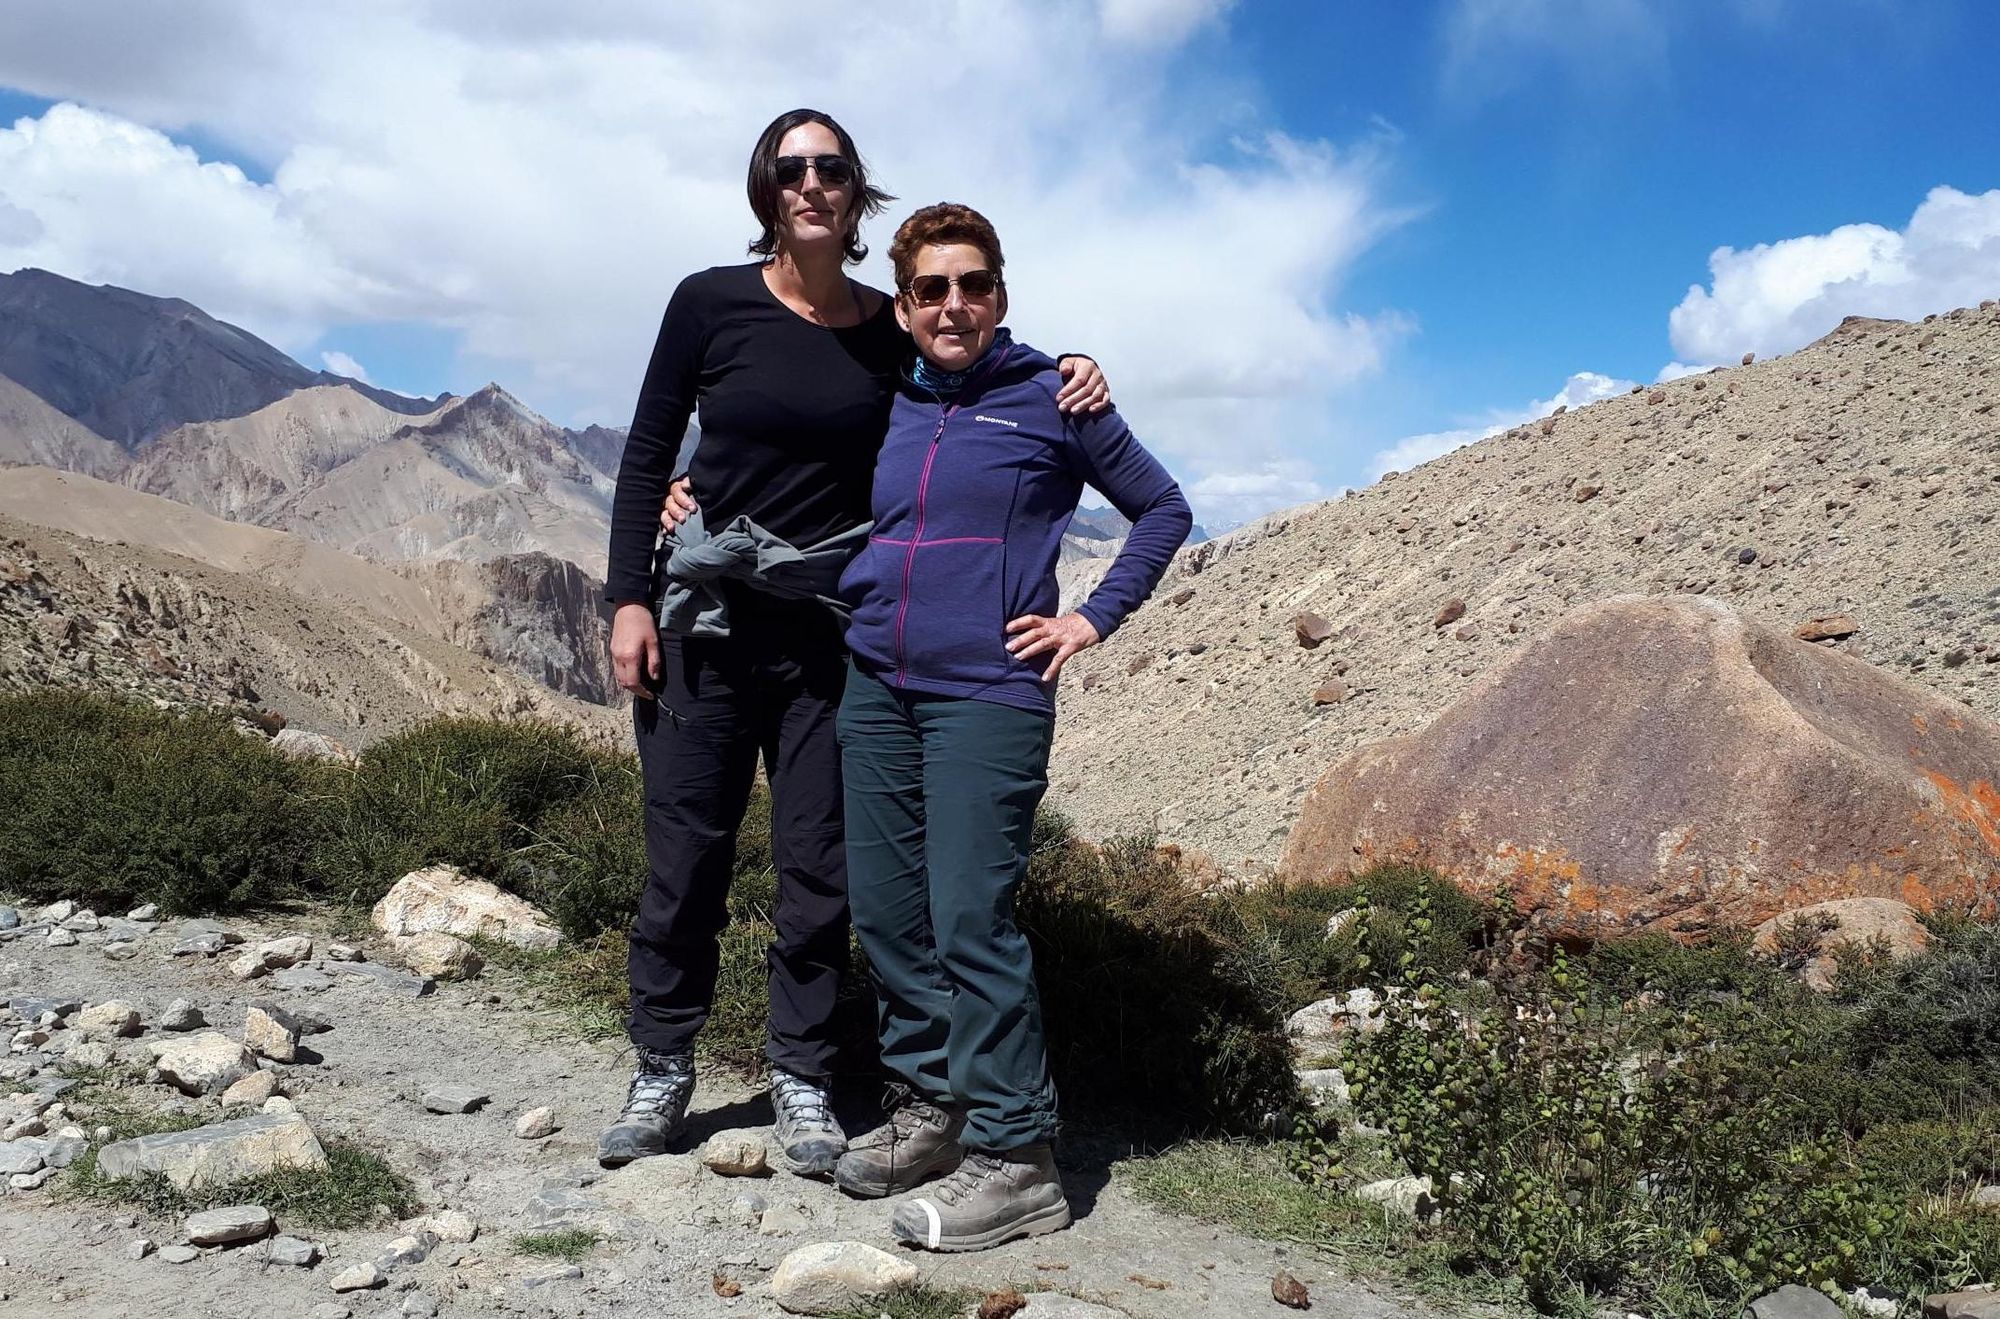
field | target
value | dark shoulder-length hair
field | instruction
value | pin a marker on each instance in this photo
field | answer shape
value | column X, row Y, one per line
column 766, row 196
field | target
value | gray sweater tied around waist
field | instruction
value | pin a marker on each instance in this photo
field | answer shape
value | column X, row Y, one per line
column 692, row 602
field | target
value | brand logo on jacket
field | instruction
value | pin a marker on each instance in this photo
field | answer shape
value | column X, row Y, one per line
column 997, row 421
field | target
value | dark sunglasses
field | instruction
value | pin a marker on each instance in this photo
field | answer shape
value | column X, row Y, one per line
column 834, row 171
column 930, row 290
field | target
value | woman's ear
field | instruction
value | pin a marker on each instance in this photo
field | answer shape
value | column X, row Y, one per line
column 1000, row 316
column 902, row 313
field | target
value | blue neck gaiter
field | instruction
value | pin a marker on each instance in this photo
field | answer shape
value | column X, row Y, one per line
column 943, row 383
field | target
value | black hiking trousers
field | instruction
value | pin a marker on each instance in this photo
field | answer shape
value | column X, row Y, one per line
column 772, row 687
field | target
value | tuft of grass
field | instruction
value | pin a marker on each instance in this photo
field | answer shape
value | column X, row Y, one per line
column 569, row 1245
column 919, row 1302
column 1249, row 1187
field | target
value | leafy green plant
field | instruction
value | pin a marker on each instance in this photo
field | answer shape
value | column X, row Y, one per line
column 114, row 803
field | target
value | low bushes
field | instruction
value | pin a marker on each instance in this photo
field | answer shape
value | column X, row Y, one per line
column 115, row 804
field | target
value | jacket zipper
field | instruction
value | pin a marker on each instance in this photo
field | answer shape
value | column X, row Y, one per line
column 923, row 490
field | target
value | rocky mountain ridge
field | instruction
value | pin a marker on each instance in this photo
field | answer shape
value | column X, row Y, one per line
column 1856, row 481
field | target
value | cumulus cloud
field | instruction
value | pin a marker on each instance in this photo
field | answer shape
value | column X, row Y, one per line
column 1583, row 388
column 537, row 178
column 1780, row 296
column 342, row 365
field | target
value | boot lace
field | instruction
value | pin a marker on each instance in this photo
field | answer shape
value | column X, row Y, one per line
column 977, row 1169
column 661, row 1085
column 801, row 1104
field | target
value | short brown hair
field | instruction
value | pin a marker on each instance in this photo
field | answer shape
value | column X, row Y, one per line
column 767, row 194
column 935, row 226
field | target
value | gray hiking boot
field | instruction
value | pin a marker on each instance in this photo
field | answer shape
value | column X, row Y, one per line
column 992, row 1199
column 810, row 1140
column 655, row 1109
column 919, row 1141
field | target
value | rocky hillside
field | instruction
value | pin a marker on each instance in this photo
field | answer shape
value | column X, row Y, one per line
column 149, row 623
column 155, row 395
column 1856, row 481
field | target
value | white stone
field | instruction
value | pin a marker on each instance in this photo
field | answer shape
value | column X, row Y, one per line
column 298, row 744
column 1406, row 1197
column 179, row 1254
column 31, row 1181
column 288, row 951
column 782, row 1220
column 536, row 1123
column 1325, row 1084
column 279, row 1104
column 438, row 956
column 1325, row 1022
column 249, row 965
column 57, row 911
column 202, row 1064
column 115, row 1019
column 218, row 1153
column 61, row 938
column 738, row 1153
column 357, row 1277
column 22, row 1156
column 444, row 899
column 454, row 1099
column 138, row 1249
column 455, row 1226
column 271, row 1031
column 252, row 1091
column 144, row 912
column 227, row 1225
column 832, row 1276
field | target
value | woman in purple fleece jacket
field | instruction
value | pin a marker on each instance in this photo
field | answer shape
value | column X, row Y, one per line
column 946, row 724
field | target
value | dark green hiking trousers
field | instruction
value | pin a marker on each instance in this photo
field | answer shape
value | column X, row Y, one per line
column 941, row 794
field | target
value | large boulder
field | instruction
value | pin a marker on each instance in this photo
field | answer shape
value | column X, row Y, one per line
column 219, row 1153
column 444, row 900
column 203, row 1064
column 1669, row 764
column 1870, row 924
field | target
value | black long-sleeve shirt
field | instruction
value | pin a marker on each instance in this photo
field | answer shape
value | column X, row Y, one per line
column 792, row 415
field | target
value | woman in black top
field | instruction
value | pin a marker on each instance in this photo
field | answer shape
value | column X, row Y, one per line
column 791, row 366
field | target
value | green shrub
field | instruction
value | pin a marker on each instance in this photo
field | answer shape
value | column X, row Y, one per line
column 1143, row 993
column 114, row 803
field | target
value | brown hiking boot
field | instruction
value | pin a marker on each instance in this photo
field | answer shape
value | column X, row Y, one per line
column 992, row 1199
column 919, row 1141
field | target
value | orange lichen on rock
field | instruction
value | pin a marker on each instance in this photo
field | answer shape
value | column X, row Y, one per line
column 1977, row 805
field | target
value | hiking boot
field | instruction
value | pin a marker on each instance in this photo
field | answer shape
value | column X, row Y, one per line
column 810, row 1140
column 992, row 1199
column 918, row 1142
column 655, row 1109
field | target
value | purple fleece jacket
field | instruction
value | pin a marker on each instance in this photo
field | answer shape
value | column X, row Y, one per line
column 972, row 496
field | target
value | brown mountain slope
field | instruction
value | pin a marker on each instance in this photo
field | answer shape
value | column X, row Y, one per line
column 241, row 467
column 78, row 612
column 33, row 432
column 533, row 613
column 1860, row 475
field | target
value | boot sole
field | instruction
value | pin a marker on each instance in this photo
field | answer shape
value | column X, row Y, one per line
column 805, row 1168
column 1052, row 1219
column 867, row 1189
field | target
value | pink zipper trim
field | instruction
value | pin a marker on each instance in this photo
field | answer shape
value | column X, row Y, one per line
column 943, row 540
column 923, row 492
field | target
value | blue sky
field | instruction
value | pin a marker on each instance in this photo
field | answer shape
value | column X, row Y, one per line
column 1308, row 241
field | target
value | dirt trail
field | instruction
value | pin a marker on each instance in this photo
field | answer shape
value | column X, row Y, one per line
column 67, row 1260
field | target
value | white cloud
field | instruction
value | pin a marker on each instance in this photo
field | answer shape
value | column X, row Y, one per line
column 1780, row 296
column 537, row 178
column 1157, row 22
column 1679, row 370
column 1581, row 389
column 342, row 365
column 1493, row 46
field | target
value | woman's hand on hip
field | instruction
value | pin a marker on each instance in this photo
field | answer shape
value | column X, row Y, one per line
column 1035, row 635
column 635, row 649
column 679, row 505
column 1084, row 388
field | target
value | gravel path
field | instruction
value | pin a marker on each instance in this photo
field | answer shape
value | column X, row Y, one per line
column 68, row 1260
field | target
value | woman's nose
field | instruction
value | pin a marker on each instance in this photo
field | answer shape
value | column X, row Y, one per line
column 954, row 300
